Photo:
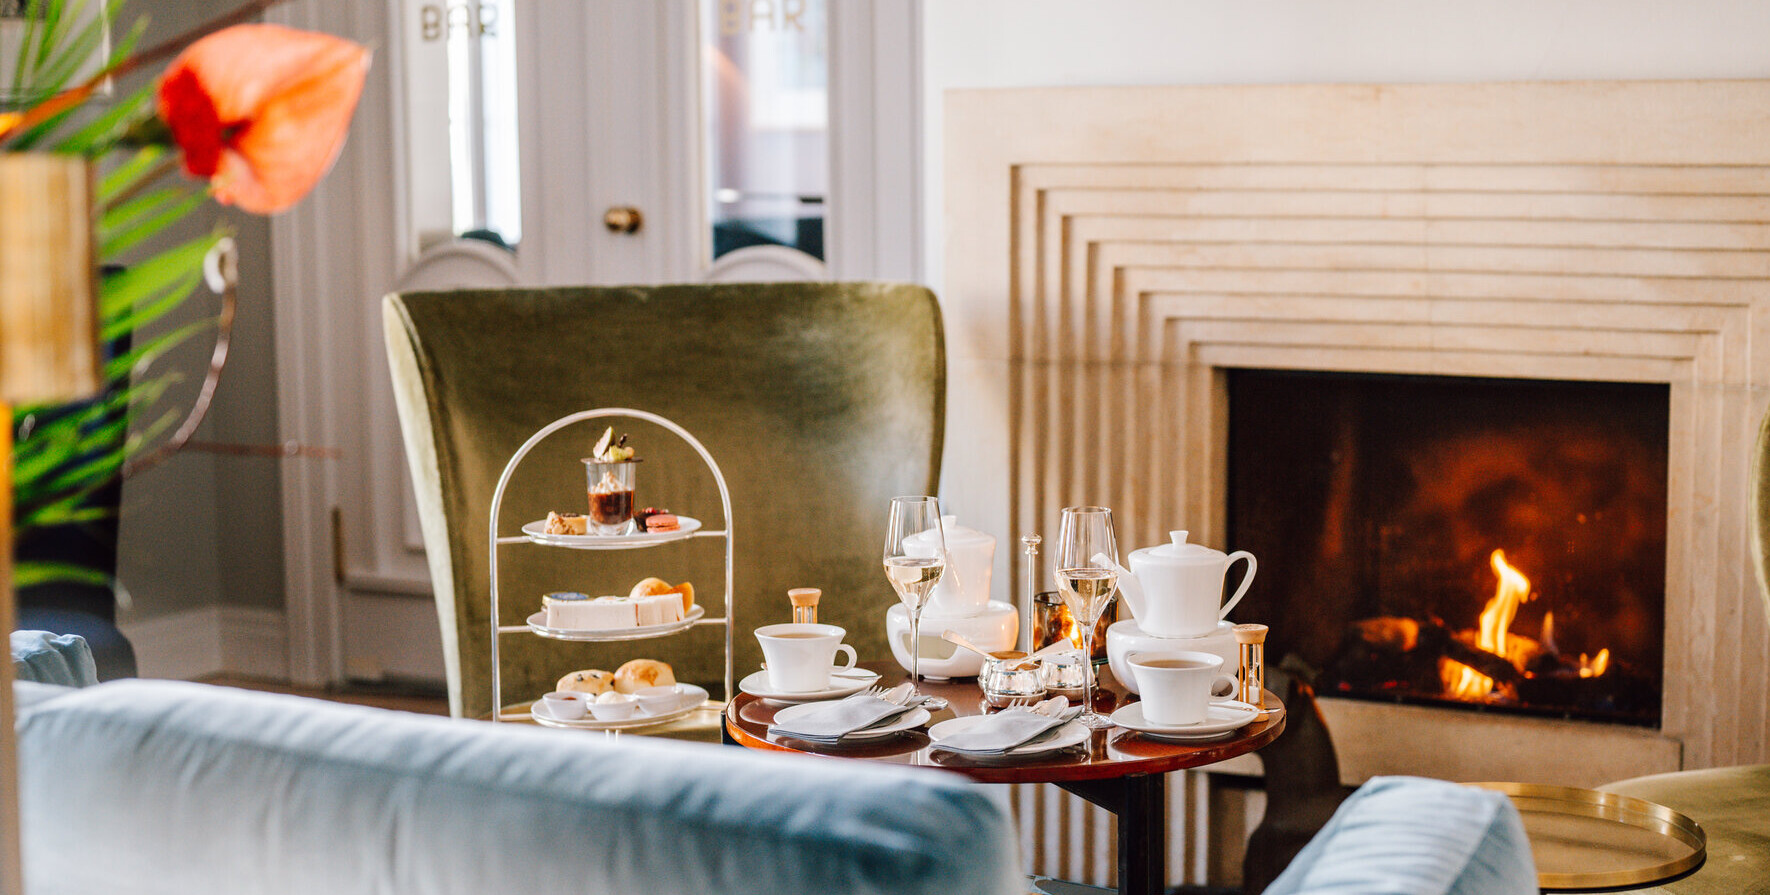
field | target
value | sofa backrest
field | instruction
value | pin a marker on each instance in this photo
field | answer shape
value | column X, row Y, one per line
column 45, row 658
column 154, row 786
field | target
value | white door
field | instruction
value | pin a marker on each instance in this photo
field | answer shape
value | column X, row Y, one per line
column 644, row 139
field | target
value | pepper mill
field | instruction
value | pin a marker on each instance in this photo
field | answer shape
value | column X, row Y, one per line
column 1027, row 619
column 804, row 604
column 1252, row 642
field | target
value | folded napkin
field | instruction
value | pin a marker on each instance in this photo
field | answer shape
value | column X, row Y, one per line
column 1001, row 732
column 832, row 721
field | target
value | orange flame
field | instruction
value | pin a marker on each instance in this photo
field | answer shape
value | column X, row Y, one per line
column 1463, row 682
column 1595, row 666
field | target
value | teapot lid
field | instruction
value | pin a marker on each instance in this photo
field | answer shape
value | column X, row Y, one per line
column 1179, row 549
column 956, row 535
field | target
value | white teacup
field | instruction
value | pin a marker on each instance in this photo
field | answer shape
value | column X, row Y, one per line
column 1179, row 687
column 800, row 657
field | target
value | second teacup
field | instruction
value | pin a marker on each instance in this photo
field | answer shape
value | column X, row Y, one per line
column 800, row 657
column 1178, row 687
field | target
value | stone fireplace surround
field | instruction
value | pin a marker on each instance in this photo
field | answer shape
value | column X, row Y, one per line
column 1111, row 251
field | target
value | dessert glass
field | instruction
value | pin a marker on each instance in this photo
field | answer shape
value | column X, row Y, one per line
column 611, row 497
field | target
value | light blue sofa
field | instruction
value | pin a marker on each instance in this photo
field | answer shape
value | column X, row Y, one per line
column 165, row 787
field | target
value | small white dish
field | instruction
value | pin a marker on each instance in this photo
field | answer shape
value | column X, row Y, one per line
column 840, row 685
column 1070, row 734
column 1220, row 719
column 909, row 720
column 565, row 705
column 659, row 700
column 692, row 699
column 615, row 710
column 537, row 532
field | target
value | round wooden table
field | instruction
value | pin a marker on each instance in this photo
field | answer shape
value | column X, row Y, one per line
column 1119, row 770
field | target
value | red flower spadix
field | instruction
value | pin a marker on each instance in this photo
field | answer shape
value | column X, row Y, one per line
column 261, row 111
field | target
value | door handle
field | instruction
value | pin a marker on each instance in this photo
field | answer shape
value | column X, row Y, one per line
column 623, row 219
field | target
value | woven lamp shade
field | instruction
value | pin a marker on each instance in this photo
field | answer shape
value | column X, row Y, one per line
column 49, row 349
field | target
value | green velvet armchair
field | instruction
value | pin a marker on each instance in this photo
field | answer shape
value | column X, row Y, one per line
column 818, row 401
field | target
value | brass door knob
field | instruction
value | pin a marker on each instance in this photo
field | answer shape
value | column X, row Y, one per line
column 623, row 219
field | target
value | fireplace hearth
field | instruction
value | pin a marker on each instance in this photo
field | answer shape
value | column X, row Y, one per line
column 1490, row 544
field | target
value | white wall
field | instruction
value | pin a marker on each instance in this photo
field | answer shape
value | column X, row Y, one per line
column 1021, row 43
column 201, row 531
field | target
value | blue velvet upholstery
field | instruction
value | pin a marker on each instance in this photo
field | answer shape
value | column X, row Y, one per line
column 162, row 787
column 1412, row 836
column 46, row 658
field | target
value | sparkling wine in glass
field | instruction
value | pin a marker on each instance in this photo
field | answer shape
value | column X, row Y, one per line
column 914, row 577
column 1086, row 556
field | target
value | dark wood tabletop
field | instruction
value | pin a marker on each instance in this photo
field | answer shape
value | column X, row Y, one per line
column 1110, row 753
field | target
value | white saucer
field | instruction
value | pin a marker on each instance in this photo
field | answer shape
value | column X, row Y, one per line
column 1220, row 718
column 1070, row 734
column 757, row 685
column 537, row 532
column 909, row 720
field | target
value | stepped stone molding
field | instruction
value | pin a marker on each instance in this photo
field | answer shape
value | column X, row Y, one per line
column 1111, row 251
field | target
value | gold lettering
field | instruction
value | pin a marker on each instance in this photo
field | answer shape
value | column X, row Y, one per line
column 731, row 17
column 488, row 20
column 430, row 20
column 791, row 10
column 460, row 17
column 764, row 10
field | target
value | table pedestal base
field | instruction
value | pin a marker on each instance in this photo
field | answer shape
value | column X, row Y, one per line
column 1139, row 801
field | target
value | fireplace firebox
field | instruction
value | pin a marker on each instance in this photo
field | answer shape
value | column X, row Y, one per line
column 1493, row 544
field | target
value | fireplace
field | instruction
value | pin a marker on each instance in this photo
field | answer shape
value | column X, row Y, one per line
column 1481, row 543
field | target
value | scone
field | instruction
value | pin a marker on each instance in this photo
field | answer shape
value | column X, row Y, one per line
column 593, row 681
column 641, row 673
column 654, row 586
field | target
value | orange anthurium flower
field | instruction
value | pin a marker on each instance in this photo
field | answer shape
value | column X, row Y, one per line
column 261, row 111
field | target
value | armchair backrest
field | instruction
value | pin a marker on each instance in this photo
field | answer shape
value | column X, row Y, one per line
column 819, row 401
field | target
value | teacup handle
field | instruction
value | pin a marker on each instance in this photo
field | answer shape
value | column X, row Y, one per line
column 1225, row 688
column 845, row 648
column 1245, row 581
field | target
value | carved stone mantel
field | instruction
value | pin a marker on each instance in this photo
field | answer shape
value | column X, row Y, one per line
column 1110, row 251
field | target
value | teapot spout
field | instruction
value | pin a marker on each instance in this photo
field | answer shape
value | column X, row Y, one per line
column 1130, row 589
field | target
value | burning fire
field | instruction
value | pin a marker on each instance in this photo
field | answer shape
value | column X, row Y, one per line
column 1463, row 682
column 1494, row 636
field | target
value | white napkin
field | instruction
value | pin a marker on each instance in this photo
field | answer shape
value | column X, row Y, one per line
column 1001, row 732
column 831, row 721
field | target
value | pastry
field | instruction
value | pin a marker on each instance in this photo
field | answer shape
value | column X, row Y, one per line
column 641, row 673
column 566, row 523
column 662, row 522
column 593, row 681
column 654, row 586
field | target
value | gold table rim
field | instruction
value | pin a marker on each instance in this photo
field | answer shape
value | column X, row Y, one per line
column 1628, row 810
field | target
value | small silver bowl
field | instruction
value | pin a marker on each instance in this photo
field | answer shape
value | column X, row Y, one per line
column 1065, row 673
column 1004, row 681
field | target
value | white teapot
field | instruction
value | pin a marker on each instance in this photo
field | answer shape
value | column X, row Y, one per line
column 1174, row 589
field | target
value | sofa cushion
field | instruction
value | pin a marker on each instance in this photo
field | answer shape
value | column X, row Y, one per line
column 165, row 787
column 1412, row 836
column 47, row 658
column 28, row 693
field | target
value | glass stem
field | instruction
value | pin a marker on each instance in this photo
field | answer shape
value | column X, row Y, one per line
column 1088, row 667
column 916, row 649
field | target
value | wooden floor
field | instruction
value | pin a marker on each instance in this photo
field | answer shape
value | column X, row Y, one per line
column 402, row 699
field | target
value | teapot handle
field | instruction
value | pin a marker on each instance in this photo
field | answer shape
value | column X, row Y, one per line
column 1245, row 581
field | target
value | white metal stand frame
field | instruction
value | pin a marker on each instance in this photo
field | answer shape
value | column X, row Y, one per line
column 499, row 630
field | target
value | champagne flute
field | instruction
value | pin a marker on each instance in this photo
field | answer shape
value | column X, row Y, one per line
column 914, row 577
column 1087, row 584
